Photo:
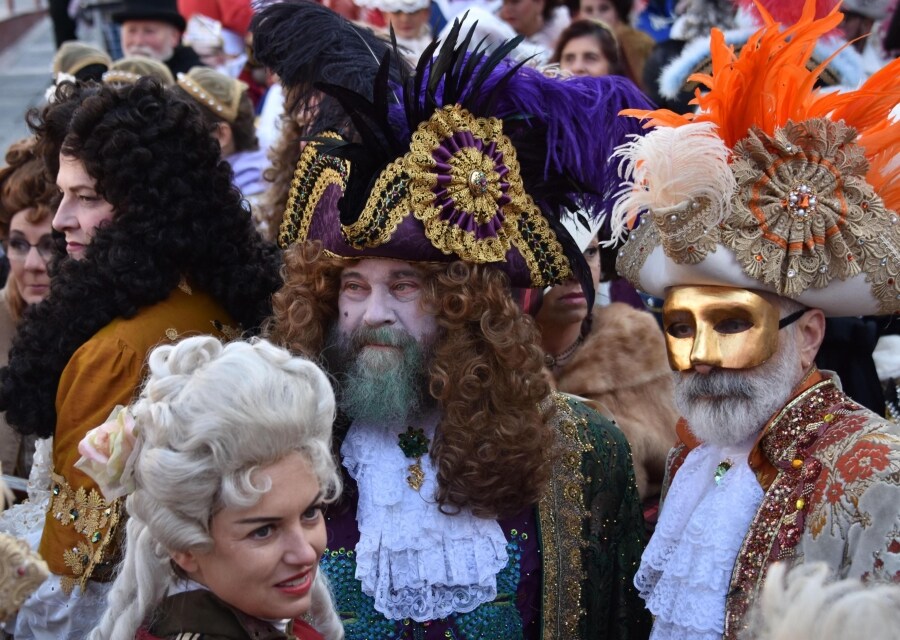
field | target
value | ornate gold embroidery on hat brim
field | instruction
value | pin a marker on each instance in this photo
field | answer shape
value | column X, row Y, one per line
column 688, row 233
column 91, row 516
column 386, row 207
column 804, row 214
column 313, row 175
column 406, row 186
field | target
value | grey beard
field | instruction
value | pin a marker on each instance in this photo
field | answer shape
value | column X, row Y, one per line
column 380, row 385
column 727, row 406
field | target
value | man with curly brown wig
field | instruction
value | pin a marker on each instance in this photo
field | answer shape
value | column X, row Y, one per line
column 479, row 504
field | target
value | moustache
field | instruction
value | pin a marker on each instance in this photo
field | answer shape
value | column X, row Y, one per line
column 717, row 383
column 387, row 336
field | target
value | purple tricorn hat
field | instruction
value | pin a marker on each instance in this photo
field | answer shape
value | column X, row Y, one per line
column 472, row 157
column 467, row 206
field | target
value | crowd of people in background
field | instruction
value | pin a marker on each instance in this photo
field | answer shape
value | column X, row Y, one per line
column 420, row 319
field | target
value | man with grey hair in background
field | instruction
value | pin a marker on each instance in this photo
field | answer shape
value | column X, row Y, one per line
column 772, row 217
column 153, row 28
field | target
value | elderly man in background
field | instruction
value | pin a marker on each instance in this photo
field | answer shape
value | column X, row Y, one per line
column 773, row 217
column 153, row 28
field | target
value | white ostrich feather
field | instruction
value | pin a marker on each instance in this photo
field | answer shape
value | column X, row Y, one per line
column 669, row 166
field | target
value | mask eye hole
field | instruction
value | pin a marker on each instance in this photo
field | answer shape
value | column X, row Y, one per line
column 680, row 330
column 733, row 325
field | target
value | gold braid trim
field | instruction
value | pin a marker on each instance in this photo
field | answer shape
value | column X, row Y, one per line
column 92, row 517
column 561, row 517
column 314, row 174
column 387, row 206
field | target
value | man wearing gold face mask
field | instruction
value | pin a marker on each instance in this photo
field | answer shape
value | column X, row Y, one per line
column 772, row 218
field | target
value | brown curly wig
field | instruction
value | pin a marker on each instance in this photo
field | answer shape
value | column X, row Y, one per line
column 495, row 447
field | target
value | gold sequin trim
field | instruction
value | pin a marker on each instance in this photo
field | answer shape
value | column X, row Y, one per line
column 634, row 253
column 92, row 517
column 313, row 175
column 561, row 514
column 386, row 207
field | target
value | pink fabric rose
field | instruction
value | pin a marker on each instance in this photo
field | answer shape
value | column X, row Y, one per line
column 108, row 453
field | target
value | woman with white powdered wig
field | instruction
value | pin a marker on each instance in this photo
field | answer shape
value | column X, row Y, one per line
column 227, row 459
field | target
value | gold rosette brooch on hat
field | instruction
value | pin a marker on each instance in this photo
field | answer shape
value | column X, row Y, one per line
column 772, row 184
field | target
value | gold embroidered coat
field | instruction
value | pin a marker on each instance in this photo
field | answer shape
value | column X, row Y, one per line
column 79, row 538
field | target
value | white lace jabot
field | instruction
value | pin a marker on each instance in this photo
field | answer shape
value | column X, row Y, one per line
column 686, row 568
column 415, row 561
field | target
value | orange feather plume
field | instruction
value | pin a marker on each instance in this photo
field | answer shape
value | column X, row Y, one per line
column 768, row 84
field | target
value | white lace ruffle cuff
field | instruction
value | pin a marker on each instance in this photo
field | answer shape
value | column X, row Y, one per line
column 415, row 561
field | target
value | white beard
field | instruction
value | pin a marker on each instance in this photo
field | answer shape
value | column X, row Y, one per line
column 147, row 52
column 727, row 406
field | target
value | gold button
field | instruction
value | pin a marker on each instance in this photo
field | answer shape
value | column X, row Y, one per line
column 796, row 463
column 800, row 504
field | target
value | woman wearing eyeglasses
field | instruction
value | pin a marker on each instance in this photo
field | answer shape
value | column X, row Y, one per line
column 26, row 208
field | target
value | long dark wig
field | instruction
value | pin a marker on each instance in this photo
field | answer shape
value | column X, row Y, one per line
column 176, row 215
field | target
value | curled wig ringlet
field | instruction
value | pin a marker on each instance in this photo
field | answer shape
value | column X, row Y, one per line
column 307, row 304
column 176, row 215
column 210, row 416
column 486, row 375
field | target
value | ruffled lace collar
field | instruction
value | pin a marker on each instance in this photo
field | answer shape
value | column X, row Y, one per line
column 415, row 561
column 686, row 568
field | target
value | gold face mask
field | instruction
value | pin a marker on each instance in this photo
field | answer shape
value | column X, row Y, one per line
column 722, row 327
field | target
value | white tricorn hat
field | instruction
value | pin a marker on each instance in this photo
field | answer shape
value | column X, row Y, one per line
column 772, row 185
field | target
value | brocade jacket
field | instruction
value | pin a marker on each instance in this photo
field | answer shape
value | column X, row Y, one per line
column 830, row 469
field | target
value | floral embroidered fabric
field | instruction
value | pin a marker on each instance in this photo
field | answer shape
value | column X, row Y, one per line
column 415, row 561
column 686, row 569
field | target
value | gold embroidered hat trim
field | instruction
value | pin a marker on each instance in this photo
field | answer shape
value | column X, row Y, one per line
column 491, row 217
column 314, row 173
